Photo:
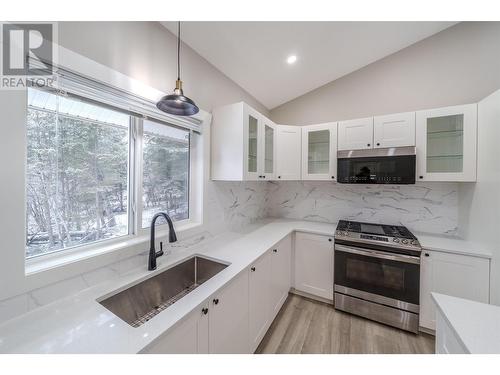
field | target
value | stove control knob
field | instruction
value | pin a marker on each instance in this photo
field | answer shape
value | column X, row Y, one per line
column 405, row 242
column 415, row 243
column 396, row 240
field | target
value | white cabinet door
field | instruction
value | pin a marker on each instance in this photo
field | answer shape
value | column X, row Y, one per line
column 446, row 339
column 267, row 163
column 288, row 152
column 260, row 299
column 228, row 318
column 396, row 130
column 252, row 142
column 446, row 141
column 189, row 336
column 314, row 264
column 355, row 134
column 452, row 274
column 281, row 257
column 319, row 152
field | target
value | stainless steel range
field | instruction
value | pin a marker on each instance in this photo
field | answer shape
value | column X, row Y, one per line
column 377, row 273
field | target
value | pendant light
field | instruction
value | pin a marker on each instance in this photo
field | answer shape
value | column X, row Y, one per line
column 177, row 103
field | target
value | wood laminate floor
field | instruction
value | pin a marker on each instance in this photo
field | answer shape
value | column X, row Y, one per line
column 307, row 326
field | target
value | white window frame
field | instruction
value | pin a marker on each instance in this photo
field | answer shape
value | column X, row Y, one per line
column 194, row 217
column 135, row 231
column 136, row 234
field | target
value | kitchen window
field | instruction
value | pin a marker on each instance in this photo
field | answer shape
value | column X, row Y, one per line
column 165, row 177
column 83, row 172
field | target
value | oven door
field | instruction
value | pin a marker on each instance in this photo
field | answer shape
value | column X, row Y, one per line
column 387, row 278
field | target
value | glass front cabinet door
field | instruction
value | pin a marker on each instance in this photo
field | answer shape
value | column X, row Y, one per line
column 259, row 146
column 446, row 143
column 252, row 122
column 319, row 147
column 268, row 155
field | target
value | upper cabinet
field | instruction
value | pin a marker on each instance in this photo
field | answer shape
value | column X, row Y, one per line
column 246, row 145
column 319, row 152
column 446, row 143
column 268, row 147
column 288, row 152
column 397, row 130
column 243, row 144
column 355, row 134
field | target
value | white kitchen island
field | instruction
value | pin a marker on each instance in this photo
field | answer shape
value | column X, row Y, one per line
column 465, row 326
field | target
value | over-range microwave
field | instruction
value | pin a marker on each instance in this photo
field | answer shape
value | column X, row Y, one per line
column 394, row 165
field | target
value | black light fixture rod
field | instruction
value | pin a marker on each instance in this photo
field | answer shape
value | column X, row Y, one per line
column 176, row 103
column 179, row 50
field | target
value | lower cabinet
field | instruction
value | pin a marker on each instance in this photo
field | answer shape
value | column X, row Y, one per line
column 456, row 275
column 228, row 318
column 281, row 267
column 260, row 299
column 447, row 341
column 269, row 284
column 190, row 336
column 236, row 318
column 314, row 264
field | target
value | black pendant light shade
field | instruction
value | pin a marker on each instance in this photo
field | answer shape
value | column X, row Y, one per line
column 177, row 103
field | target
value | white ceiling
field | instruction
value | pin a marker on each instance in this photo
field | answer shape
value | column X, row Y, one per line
column 253, row 54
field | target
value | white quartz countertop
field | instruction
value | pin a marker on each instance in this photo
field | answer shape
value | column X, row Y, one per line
column 79, row 324
column 476, row 325
column 454, row 245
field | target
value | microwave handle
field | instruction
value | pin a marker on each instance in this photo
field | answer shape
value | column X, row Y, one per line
column 378, row 254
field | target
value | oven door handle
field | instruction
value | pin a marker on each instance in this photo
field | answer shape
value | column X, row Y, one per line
column 378, row 254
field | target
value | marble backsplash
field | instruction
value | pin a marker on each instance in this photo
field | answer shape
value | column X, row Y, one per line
column 235, row 204
column 424, row 207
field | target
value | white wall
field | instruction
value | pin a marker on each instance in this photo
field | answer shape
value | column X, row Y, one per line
column 456, row 66
column 147, row 51
column 480, row 202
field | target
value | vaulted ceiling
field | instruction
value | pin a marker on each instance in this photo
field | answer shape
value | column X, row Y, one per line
column 254, row 54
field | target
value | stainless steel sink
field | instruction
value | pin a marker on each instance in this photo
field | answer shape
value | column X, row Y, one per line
column 140, row 302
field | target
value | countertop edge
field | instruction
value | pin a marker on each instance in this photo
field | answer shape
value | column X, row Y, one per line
column 283, row 229
column 435, row 299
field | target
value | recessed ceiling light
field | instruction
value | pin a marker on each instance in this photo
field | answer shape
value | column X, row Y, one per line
column 291, row 59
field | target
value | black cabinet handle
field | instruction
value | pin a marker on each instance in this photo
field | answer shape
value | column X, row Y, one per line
column 216, row 301
column 275, row 250
column 252, row 269
column 279, row 176
column 333, row 177
column 204, row 310
column 329, row 240
column 368, row 144
column 263, row 176
column 378, row 144
column 420, row 177
column 426, row 254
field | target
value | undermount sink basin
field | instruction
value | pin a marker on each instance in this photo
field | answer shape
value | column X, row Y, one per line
column 140, row 302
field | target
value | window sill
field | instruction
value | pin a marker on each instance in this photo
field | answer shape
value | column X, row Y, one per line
column 94, row 255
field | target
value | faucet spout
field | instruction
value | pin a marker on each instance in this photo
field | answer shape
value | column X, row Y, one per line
column 172, row 237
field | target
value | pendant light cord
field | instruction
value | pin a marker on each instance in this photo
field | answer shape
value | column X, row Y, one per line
column 179, row 50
